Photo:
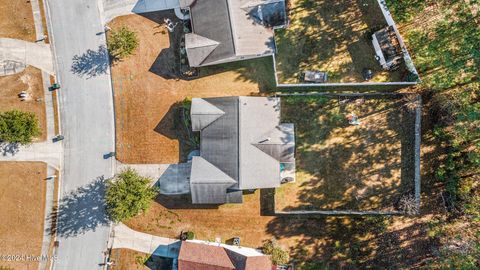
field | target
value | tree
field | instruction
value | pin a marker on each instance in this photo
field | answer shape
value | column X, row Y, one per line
column 128, row 194
column 278, row 255
column 18, row 127
column 122, row 43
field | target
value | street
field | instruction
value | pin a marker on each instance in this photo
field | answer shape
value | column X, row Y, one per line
column 86, row 109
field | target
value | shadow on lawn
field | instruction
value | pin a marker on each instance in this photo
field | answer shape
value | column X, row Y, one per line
column 81, row 210
column 345, row 167
column 167, row 63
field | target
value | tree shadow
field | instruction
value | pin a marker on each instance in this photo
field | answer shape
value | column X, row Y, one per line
column 345, row 167
column 92, row 63
column 81, row 210
column 7, row 148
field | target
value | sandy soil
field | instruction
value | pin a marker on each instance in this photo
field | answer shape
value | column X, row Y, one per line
column 22, row 200
column 146, row 91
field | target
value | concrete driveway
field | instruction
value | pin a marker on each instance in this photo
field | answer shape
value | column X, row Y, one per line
column 114, row 8
column 124, row 237
column 38, row 55
column 172, row 179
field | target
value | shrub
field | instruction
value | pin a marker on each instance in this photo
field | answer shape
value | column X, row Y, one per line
column 190, row 235
column 128, row 194
column 278, row 255
column 122, row 43
column 18, row 127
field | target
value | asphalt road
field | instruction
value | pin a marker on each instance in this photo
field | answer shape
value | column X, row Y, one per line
column 87, row 122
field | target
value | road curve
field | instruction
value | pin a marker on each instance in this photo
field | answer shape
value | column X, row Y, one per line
column 87, row 119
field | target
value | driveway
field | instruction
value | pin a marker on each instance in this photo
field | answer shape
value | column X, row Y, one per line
column 172, row 179
column 124, row 237
column 114, row 8
column 86, row 109
column 23, row 52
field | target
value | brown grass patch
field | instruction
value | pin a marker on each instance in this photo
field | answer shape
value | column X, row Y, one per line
column 349, row 167
column 331, row 36
column 22, row 197
column 29, row 80
column 146, row 90
column 17, row 20
column 126, row 259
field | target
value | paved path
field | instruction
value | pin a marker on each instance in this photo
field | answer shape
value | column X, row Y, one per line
column 170, row 178
column 124, row 237
column 115, row 8
column 28, row 53
column 48, row 152
column 86, row 109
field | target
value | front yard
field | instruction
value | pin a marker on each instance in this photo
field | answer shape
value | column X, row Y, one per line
column 22, row 200
column 148, row 91
column 331, row 36
column 19, row 25
column 363, row 166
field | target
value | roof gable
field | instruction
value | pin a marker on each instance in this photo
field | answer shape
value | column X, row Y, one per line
column 198, row 48
column 203, row 113
column 278, row 143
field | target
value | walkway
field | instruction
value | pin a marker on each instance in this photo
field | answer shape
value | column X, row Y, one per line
column 172, row 179
column 28, row 53
column 124, row 237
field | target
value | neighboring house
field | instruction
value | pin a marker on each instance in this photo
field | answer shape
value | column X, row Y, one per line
column 243, row 146
column 231, row 30
column 196, row 254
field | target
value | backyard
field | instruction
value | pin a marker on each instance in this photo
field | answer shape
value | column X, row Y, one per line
column 351, row 153
column 331, row 36
column 22, row 197
column 148, row 91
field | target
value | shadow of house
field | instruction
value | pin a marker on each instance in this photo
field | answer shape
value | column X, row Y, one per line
column 176, row 125
column 92, row 63
column 81, row 210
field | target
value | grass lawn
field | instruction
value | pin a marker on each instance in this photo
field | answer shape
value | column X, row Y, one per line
column 22, row 200
column 19, row 25
column 147, row 90
column 332, row 36
column 349, row 167
column 126, row 259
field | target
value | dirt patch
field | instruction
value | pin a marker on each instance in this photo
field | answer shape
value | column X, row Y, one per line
column 19, row 21
column 29, row 80
column 332, row 36
column 22, row 197
column 147, row 91
column 126, row 259
column 342, row 165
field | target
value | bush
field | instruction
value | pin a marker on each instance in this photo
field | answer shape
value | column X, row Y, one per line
column 190, row 235
column 128, row 195
column 18, row 127
column 278, row 255
column 122, row 43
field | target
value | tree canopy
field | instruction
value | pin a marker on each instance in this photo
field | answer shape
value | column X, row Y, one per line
column 278, row 255
column 122, row 42
column 18, row 127
column 128, row 194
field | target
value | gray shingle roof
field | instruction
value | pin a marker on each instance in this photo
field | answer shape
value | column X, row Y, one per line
column 236, row 144
column 210, row 19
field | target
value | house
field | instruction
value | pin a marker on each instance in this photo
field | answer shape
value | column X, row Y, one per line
column 243, row 146
column 231, row 30
column 195, row 254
